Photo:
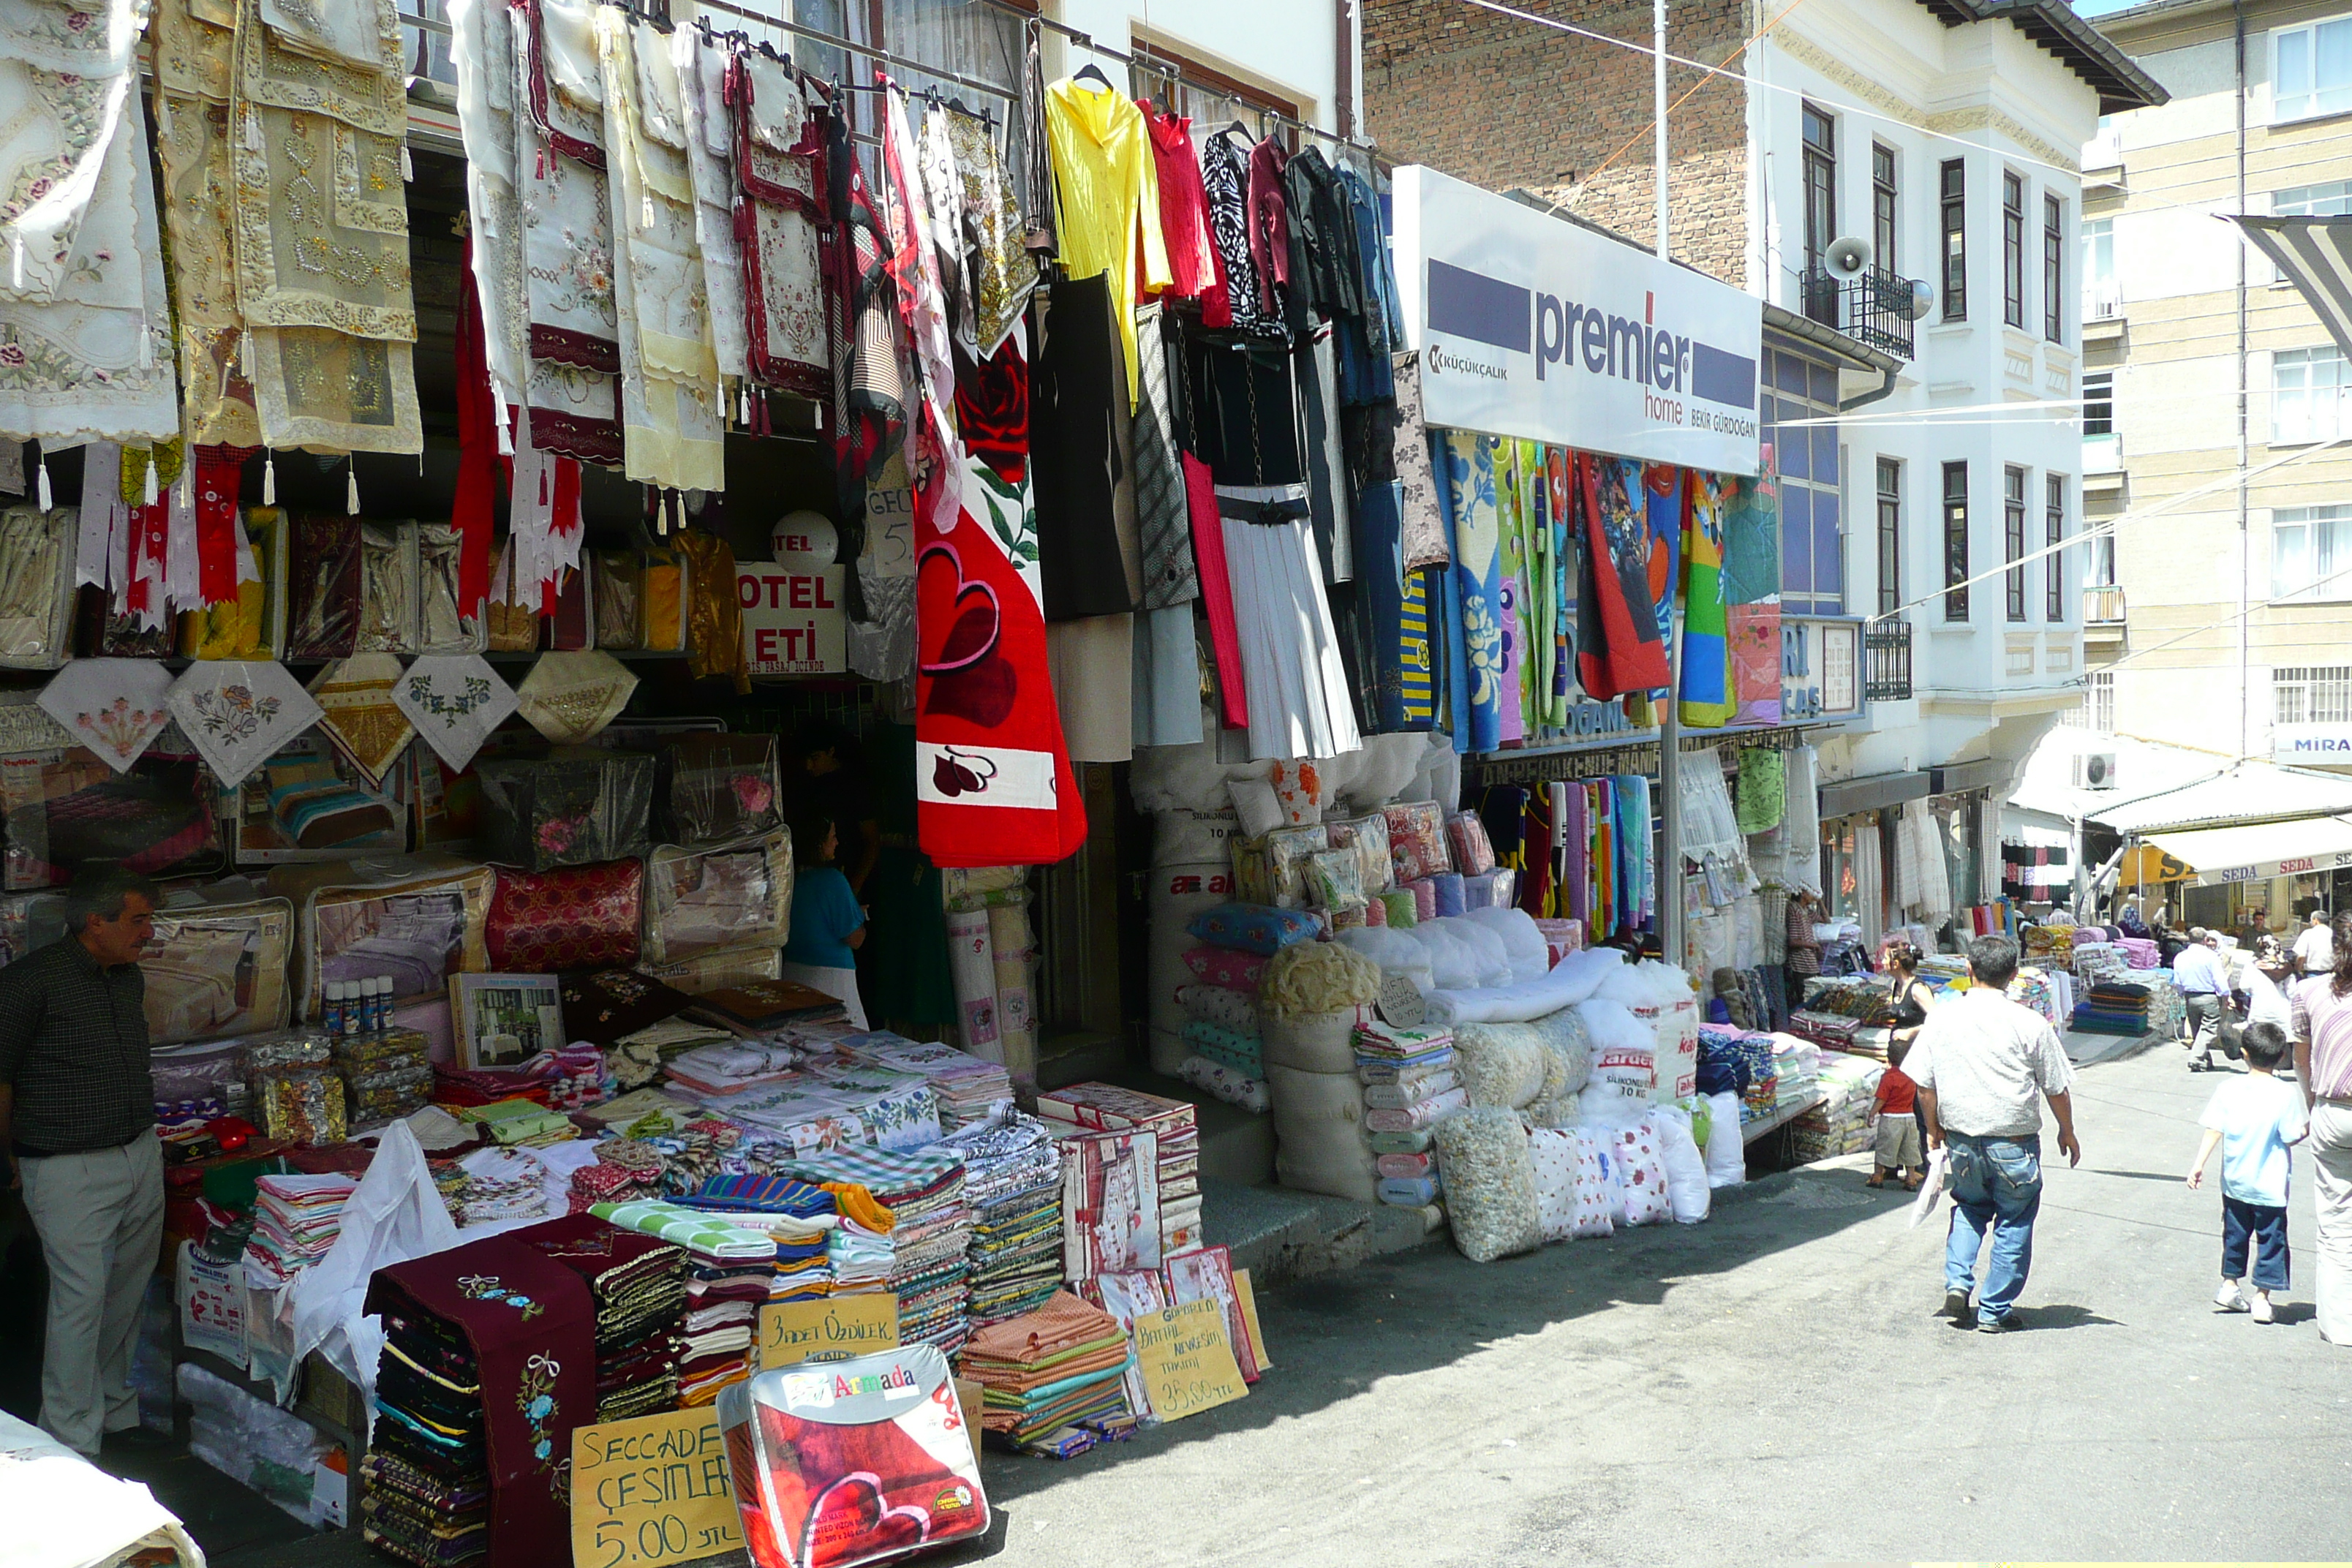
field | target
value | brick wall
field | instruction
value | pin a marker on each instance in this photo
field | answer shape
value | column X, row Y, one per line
column 1504, row 104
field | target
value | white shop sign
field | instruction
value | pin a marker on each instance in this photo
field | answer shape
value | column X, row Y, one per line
column 2323, row 745
column 794, row 623
column 1531, row 326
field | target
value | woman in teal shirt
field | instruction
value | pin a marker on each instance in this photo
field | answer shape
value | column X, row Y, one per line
column 828, row 925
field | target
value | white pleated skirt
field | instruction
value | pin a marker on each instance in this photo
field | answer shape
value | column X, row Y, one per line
column 1299, row 705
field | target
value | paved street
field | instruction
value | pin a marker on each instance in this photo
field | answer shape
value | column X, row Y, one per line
column 1772, row 1383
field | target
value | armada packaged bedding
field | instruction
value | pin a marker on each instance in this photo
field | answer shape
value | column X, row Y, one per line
column 714, row 896
column 416, row 919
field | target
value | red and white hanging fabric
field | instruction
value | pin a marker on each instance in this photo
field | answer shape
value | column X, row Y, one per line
column 992, row 779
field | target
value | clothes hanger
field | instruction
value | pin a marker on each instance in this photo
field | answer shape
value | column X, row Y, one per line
column 1096, row 71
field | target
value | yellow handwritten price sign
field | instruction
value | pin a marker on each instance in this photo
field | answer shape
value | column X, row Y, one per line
column 1188, row 1363
column 651, row 1490
column 831, row 1330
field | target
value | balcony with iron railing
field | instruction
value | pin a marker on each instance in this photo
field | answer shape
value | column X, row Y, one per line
column 2103, row 604
column 1874, row 308
column 1887, row 661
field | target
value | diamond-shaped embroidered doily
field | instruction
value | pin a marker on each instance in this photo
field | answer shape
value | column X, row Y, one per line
column 569, row 697
column 356, row 711
column 113, row 706
column 455, row 700
column 236, row 712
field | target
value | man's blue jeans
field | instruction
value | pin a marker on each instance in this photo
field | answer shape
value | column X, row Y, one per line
column 1995, row 1182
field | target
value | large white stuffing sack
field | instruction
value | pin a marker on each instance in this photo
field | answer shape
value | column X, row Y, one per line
column 1585, row 969
column 1686, row 1180
column 1313, row 1042
column 1502, row 1064
column 1186, row 835
column 1490, row 1184
column 1177, row 893
column 1727, row 1151
column 1625, row 1066
column 1611, row 1027
column 1318, row 1129
column 1523, row 944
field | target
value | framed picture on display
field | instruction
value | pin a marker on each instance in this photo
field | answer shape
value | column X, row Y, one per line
column 504, row 1020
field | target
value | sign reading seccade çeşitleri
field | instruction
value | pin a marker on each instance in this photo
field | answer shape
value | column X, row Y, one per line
column 1532, row 326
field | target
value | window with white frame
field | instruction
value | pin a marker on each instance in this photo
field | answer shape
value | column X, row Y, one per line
column 2330, row 200
column 2311, row 553
column 2311, row 694
column 2311, row 70
column 2309, row 391
column 2096, row 713
column 2101, row 299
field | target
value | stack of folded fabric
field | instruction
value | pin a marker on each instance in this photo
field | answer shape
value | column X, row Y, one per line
column 1840, row 1124
column 498, row 1184
column 2139, row 951
column 1049, row 1371
column 694, row 1153
column 624, row 1169
column 2113, row 1006
column 521, row 1122
column 1796, row 1071
column 1407, row 1076
column 966, row 1087
column 729, row 1271
column 732, row 1066
column 1085, row 1108
column 296, row 1221
column 489, row 1363
column 638, row 1284
column 1012, row 1184
column 929, row 1234
column 798, row 1215
column 859, row 1250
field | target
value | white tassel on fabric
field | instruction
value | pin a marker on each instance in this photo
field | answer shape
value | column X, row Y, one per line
column 269, row 478
column 42, row 482
column 351, row 490
column 407, row 167
column 147, row 483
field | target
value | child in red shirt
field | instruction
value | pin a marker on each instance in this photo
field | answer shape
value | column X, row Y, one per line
column 1897, row 1147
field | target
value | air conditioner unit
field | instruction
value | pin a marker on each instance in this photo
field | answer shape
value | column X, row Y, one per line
column 2095, row 770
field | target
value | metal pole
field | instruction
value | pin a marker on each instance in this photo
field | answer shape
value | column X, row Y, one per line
column 1670, row 730
column 2245, row 534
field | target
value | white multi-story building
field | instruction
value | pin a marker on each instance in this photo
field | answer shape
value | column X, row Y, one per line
column 1947, row 138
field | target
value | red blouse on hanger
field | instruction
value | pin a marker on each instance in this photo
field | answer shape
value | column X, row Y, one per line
column 1184, row 214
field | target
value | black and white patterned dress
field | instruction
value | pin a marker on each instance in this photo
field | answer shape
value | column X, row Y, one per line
column 1224, row 176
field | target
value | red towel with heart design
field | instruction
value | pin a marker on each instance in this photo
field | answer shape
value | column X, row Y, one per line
column 992, row 779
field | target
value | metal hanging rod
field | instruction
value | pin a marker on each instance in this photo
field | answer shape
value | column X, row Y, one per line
column 815, row 36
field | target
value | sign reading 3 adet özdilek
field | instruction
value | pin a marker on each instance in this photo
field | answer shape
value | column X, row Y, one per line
column 1531, row 326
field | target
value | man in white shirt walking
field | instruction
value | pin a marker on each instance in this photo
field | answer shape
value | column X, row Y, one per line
column 1984, row 1065
column 2203, row 977
column 2315, row 950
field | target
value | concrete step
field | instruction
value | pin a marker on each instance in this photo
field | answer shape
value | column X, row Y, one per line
column 1280, row 1234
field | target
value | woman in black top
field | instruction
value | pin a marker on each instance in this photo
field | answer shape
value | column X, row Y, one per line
column 1912, row 994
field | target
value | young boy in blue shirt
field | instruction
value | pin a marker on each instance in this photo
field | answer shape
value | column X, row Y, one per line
column 2253, row 1121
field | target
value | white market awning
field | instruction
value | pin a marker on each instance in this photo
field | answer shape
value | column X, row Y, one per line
column 2255, row 852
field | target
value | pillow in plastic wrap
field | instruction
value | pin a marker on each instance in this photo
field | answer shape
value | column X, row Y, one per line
column 1490, row 1184
column 1335, row 881
column 1216, row 1005
column 718, row 896
column 1465, row 832
column 1256, row 804
column 1417, row 840
column 1221, row 966
column 1502, row 1064
column 1232, row 1087
column 1523, row 943
column 1638, row 1154
column 1368, row 836
column 1597, row 1201
column 575, row 917
column 716, row 787
column 1251, row 927
column 542, row 813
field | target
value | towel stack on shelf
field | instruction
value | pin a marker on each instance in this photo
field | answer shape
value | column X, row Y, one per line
column 930, row 1236
column 297, row 1220
column 1012, row 1184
